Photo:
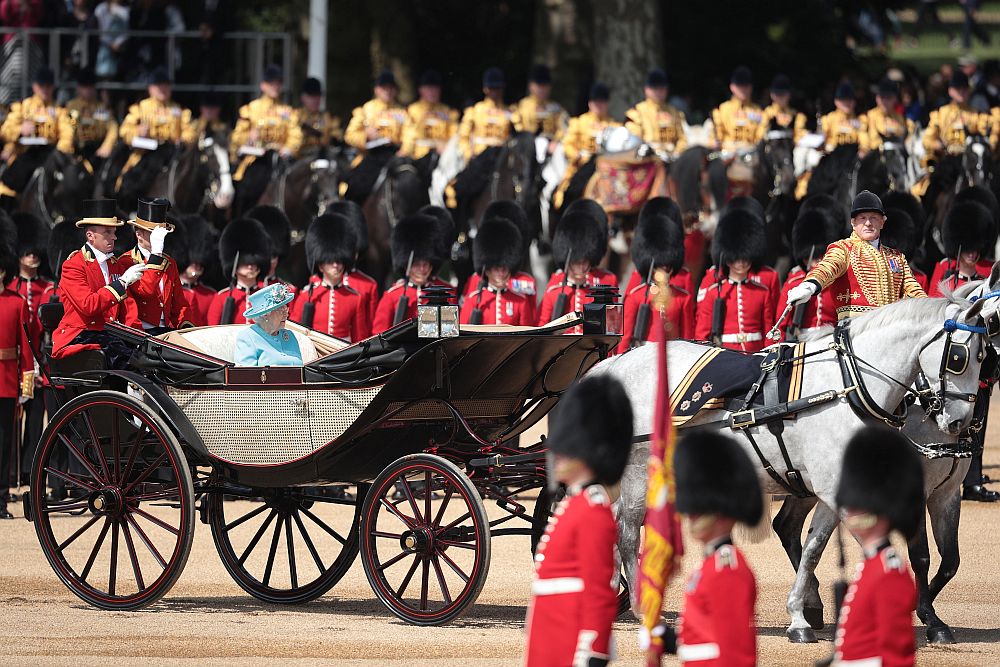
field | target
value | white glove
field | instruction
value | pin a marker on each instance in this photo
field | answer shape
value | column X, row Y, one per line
column 156, row 238
column 801, row 293
column 132, row 274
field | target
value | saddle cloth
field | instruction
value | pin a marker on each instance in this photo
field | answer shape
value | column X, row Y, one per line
column 624, row 185
column 721, row 375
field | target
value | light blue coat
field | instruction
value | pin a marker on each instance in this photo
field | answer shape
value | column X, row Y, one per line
column 254, row 347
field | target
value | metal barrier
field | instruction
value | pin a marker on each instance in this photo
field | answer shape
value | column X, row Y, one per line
column 253, row 52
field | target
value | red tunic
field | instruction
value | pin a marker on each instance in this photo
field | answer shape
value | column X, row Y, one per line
column 821, row 310
column 680, row 315
column 749, row 315
column 716, row 626
column 367, row 287
column 944, row 272
column 35, row 291
column 15, row 348
column 159, row 296
column 765, row 276
column 520, row 282
column 574, row 597
column 921, row 278
column 594, row 277
column 682, row 279
column 340, row 311
column 219, row 302
column 200, row 299
column 386, row 310
column 876, row 621
column 578, row 297
column 90, row 301
column 504, row 307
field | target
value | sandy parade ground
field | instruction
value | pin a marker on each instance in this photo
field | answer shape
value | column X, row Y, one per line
column 206, row 616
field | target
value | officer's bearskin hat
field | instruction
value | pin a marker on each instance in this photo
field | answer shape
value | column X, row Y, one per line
column 591, row 208
column 658, row 206
column 352, row 211
column 593, row 422
column 900, row 233
column 498, row 243
column 904, row 201
column 277, row 225
column 32, row 234
column 882, row 474
column 64, row 239
column 715, row 476
column 828, row 203
column 739, row 235
column 748, row 204
column 8, row 250
column 658, row 241
column 812, row 232
column 175, row 245
column 202, row 241
column 968, row 226
column 420, row 235
column 981, row 194
column 511, row 210
column 446, row 230
column 331, row 238
column 579, row 236
column 249, row 238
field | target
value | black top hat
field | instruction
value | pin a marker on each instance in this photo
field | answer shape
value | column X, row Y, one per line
column 781, row 84
column 273, row 73
column 385, row 78
column 493, row 78
column 312, row 86
column 540, row 74
column 86, row 77
column 44, row 77
column 150, row 213
column 866, row 200
column 599, row 92
column 742, row 76
column 959, row 80
column 714, row 476
column 845, row 91
column 431, row 77
column 158, row 75
column 657, row 78
column 887, row 87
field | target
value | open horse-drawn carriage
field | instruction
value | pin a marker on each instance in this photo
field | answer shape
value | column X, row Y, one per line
column 422, row 422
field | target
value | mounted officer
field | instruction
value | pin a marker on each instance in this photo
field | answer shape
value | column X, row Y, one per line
column 537, row 113
column 841, row 126
column 95, row 129
column 376, row 131
column 950, row 125
column 659, row 125
column 884, row 123
column 319, row 127
column 780, row 113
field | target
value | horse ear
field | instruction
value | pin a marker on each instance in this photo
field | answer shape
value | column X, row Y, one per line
column 973, row 312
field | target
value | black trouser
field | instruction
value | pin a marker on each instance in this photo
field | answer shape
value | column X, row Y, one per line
column 975, row 475
column 137, row 180
column 6, row 445
column 17, row 175
column 116, row 351
column 34, row 411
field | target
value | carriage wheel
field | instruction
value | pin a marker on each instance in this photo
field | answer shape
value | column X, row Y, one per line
column 122, row 537
column 425, row 539
column 287, row 546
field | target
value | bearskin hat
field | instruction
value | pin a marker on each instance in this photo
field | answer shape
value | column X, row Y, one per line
column 353, row 212
column 277, row 225
column 827, row 203
column 331, row 238
column 981, row 194
column 8, row 250
column 658, row 241
column 175, row 245
column 511, row 210
column 900, row 232
column 658, row 206
column 593, row 422
column 249, row 238
column 32, row 234
column 812, row 232
column 748, row 204
column 907, row 203
column 579, row 236
column 447, row 233
column 420, row 235
column 64, row 239
column 739, row 235
column 202, row 241
column 498, row 243
column 591, row 208
column 715, row 476
column 882, row 474
column 968, row 226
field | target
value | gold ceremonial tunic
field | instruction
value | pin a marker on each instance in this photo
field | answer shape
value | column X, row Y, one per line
column 277, row 127
column 659, row 125
column 166, row 121
column 840, row 129
column 949, row 126
column 880, row 125
column 319, row 128
column 92, row 122
column 387, row 119
column 537, row 117
column 862, row 277
column 785, row 118
column 484, row 124
column 736, row 124
column 428, row 127
column 51, row 123
column 216, row 129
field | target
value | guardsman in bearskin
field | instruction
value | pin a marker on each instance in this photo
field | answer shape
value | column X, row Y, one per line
column 588, row 208
column 430, row 124
column 717, row 487
column 733, row 310
column 496, row 254
column 881, row 490
column 574, row 594
column 660, row 125
column 861, row 272
column 266, row 126
column 160, row 299
column 366, row 286
column 32, row 239
column 93, row 287
column 658, row 244
column 153, row 129
column 841, row 126
column 812, row 232
column 319, row 127
column 33, row 127
column 279, row 228
column 760, row 273
column 779, row 115
column 200, row 250
column 417, row 253
column 736, row 122
column 580, row 242
column 209, row 124
column 95, row 129
column 329, row 305
column 884, row 123
column 245, row 254
column 17, row 366
column 653, row 208
column 582, row 141
column 968, row 232
column 949, row 126
column 537, row 113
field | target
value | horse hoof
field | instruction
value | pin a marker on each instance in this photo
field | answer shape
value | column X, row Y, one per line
column 801, row 635
column 940, row 635
column 814, row 617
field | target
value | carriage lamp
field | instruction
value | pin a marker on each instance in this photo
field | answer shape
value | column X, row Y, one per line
column 604, row 315
column 437, row 315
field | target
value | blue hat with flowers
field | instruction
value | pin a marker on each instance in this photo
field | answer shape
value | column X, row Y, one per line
column 263, row 301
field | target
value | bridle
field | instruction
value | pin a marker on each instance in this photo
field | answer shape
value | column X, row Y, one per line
column 954, row 361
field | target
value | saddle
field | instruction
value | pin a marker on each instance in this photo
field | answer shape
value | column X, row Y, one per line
column 623, row 185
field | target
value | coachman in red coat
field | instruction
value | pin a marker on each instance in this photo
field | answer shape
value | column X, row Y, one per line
column 161, row 301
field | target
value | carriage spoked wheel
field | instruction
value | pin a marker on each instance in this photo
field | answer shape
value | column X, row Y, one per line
column 288, row 545
column 425, row 539
column 121, row 538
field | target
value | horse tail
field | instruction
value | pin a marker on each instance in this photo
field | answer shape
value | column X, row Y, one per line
column 761, row 530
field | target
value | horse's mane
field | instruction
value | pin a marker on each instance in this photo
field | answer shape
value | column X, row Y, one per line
column 829, row 174
column 905, row 310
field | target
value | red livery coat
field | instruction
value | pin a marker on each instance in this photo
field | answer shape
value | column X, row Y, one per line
column 89, row 301
column 821, row 310
column 944, row 272
column 340, row 311
column 575, row 590
column 200, row 298
column 876, row 621
column 35, row 291
column 15, row 348
column 680, row 315
column 749, row 315
column 504, row 307
column 386, row 310
column 521, row 283
column 159, row 293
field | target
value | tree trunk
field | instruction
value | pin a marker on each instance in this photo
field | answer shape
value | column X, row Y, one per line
column 564, row 41
column 627, row 43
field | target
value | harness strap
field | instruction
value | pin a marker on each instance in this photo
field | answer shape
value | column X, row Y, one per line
column 859, row 399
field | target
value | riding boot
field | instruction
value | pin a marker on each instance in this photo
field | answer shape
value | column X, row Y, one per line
column 8, row 203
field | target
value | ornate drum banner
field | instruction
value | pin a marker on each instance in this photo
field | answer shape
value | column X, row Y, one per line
column 623, row 184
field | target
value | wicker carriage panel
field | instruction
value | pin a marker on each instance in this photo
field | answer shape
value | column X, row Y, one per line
column 333, row 411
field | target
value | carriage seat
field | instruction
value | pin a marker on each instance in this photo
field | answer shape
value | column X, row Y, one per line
column 220, row 341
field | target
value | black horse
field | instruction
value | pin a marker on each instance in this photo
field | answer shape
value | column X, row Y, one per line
column 57, row 188
column 400, row 190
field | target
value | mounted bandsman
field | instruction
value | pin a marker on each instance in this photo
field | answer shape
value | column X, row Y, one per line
column 780, row 112
column 95, row 129
column 654, row 120
column 537, row 113
column 862, row 273
column 584, row 134
column 245, row 254
column 319, row 127
column 736, row 122
column 949, row 126
column 884, row 123
column 430, row 124
column 496, row 254
column 159, row 296
column 376, row 132
column 842, row 126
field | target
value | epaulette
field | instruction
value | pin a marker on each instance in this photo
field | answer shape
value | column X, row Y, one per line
column 636, row 288
column 557, row 286
column 396, row 285
column 725, row 558
column 756, row 283
column 361, row 274
column 596, row 495
column 891, row 561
